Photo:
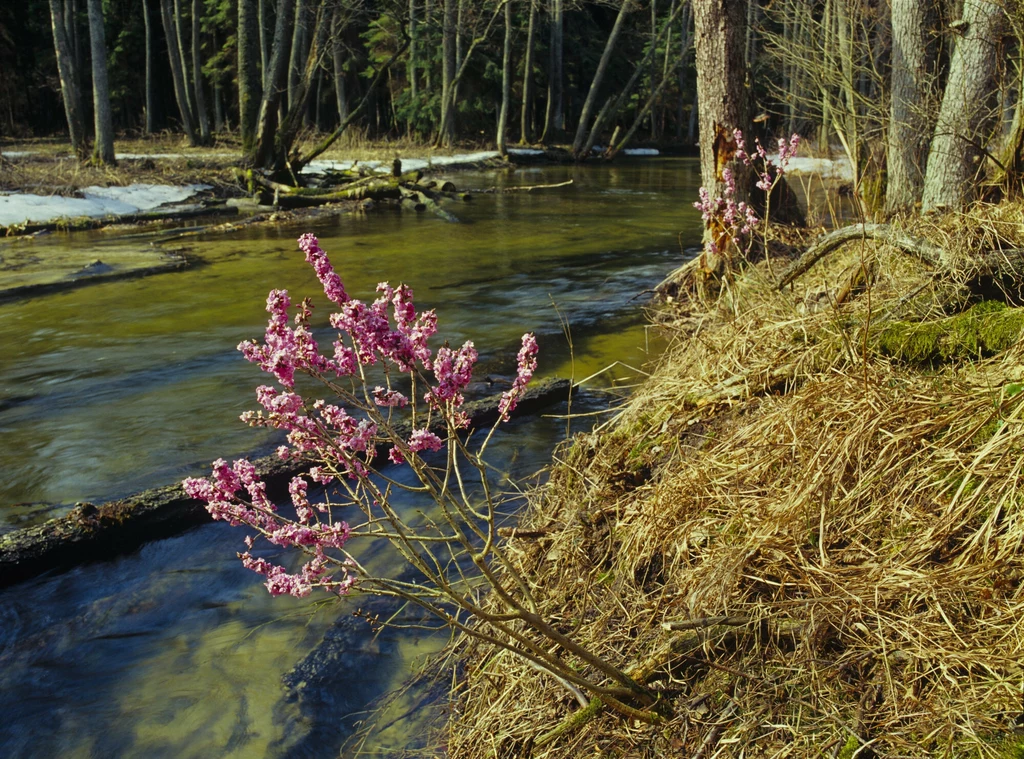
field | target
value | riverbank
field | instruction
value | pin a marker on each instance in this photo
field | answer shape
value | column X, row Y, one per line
column 804, row 528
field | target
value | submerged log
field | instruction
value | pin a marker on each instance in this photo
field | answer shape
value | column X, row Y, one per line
column 94, row 533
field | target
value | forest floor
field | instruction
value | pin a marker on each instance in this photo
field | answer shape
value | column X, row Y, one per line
column 805, row 527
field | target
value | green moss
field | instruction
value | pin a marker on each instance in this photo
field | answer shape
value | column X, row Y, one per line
column 984, row 330
column 848, row 749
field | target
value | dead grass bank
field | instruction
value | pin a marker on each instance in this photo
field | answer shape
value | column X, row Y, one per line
column 811, row 546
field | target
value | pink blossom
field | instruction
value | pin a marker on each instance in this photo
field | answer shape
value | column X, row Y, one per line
column 389, row 398
column 421, row 440
column 527, row 365
column 333, row 287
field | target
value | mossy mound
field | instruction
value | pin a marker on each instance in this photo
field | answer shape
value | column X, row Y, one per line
column 984, row 330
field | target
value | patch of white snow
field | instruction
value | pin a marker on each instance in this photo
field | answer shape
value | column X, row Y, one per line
column 19, row 207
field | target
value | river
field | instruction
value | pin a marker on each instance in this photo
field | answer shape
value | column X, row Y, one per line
column 176, row 650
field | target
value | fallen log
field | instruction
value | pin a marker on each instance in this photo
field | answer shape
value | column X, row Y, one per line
column 94, row 533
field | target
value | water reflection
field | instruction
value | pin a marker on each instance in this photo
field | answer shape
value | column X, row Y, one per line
column 176, row 650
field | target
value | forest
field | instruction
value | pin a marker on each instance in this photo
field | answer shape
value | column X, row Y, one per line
column 875, row 80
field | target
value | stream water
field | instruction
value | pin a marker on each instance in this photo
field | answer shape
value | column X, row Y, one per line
column 176, row 650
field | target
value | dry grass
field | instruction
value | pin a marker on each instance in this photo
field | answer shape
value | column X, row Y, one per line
column 862, row 518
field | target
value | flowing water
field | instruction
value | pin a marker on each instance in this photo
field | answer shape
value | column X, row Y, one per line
column 176, row 650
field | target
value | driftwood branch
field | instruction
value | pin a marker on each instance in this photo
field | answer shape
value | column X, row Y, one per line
column 827, row 243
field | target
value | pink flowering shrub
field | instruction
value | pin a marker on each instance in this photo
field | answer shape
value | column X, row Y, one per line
column 388, row 391
column 343, row 435
column 737, row 220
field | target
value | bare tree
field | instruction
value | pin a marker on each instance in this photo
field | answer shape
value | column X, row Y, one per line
column 554, row 116
column 526, row 117
column 583, row 126
column 959, row 147
column 72, row 96
column 912, row 79
column 197, row 73
column 150, row 99
column 506, row 80
column 448, row 64
column 103, row 151
column 178, row 73
column 250, row 85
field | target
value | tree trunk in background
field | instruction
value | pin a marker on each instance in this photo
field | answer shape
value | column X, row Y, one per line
column 595, row 84
column 411, row 70
column 148, row 23
column 912, row 77
column 338, row 59
column 526, row 118
column 720, row 39
column 177, row 75
column 298, row 110
column 261, row 21
column 554, row 115
column 447, row 130
column 275, row 83
column 68, row 81
column 103, row 150
column 298, row 44
column 197, row 72
column 955, row 160
column 506, row 80
column 250, row 86
column 179, row 42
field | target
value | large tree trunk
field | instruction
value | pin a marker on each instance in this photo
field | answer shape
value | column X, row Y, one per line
column 68, row 80
column 526, row 117
column 148, row 23
column 177, row 74
column 250, row 86
column 448, row 42
column 554, row 116
column 955, row 161
column 197, row 73
column 595, row 85
column 913, row 71
column 506, row 80
column 103, row 151
column 720, row 41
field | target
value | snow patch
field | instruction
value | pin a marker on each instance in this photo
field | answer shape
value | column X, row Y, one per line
column 17, row 153
column 839, row 168
column 18, row 207
column 641, row 151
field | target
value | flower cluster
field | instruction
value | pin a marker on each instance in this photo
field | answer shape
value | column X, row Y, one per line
column 527, row 365
column 738, row 219
column 342, row 440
